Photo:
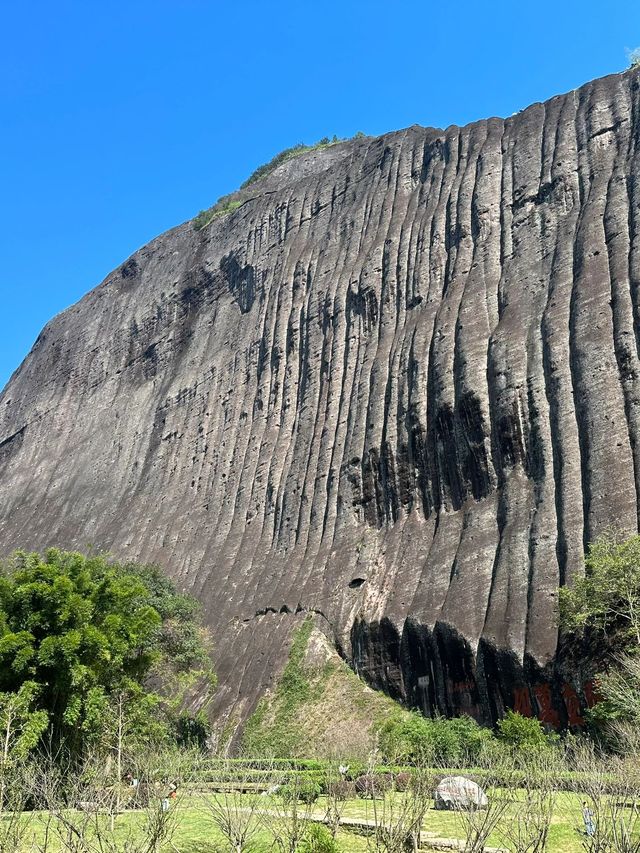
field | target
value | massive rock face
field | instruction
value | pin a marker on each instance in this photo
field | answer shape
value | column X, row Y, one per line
column 397, row 387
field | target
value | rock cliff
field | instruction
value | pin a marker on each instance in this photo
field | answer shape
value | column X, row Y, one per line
column 397, row 387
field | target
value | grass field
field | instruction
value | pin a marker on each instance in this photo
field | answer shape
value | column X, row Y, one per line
column 194, row 831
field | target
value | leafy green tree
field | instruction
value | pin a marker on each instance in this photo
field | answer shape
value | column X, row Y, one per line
column 83, row 630
column 21, row 727
column 607, row 598
column 619, row 706
column 607, row 601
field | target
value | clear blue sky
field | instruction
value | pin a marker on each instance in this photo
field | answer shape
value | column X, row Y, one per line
column 120, row 119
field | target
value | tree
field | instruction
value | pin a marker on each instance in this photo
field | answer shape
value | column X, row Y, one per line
column 398, row 816
column 17, row 816
column 286, row 815
column 21, row 728
column 609, row 790
column 617, row 714
column 235, row 810
column 337, row 790
column 531, row 814
column 476, row 823
column 191, row 730
column 80, row 803
column 634, row 57
column 607, row 598
column 83, row 630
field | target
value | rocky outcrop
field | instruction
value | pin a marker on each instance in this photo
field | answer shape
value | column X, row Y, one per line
column 397, row 387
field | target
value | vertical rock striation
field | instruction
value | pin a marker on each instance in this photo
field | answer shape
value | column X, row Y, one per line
column 397, row 387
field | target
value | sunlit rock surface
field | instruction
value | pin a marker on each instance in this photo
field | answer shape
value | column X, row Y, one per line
column 397, row 387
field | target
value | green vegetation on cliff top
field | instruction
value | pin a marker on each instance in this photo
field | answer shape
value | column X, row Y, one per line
column 228, row 203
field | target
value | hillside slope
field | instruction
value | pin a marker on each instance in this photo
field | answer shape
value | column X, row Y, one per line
column 397, row 387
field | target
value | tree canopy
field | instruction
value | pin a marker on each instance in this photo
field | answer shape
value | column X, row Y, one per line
column 80, row 632
column 606, row 601
column 607, row 598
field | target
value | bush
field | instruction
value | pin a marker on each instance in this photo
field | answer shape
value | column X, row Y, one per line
column 413, row 738
column 319, row 840
column 373, row 784
column 191, row 730
column 287, row 154
column 225, row 204
column 343, row 789
column 278, row 160
column 519, row 731
column 403, row 781
column 266, row 765
column 305, row 789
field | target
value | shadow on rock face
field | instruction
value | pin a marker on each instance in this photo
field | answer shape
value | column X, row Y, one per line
column 436, row 671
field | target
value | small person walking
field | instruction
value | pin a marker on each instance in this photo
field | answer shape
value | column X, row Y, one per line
column 172, row 794
column 589, row 822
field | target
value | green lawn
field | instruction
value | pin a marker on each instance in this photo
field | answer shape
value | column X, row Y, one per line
column 195, row 831
column 564, row 836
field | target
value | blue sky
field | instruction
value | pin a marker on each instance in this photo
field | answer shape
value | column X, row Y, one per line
column 121, row 119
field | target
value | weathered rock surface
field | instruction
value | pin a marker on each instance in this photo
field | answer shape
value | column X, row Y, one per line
column 399, row 387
